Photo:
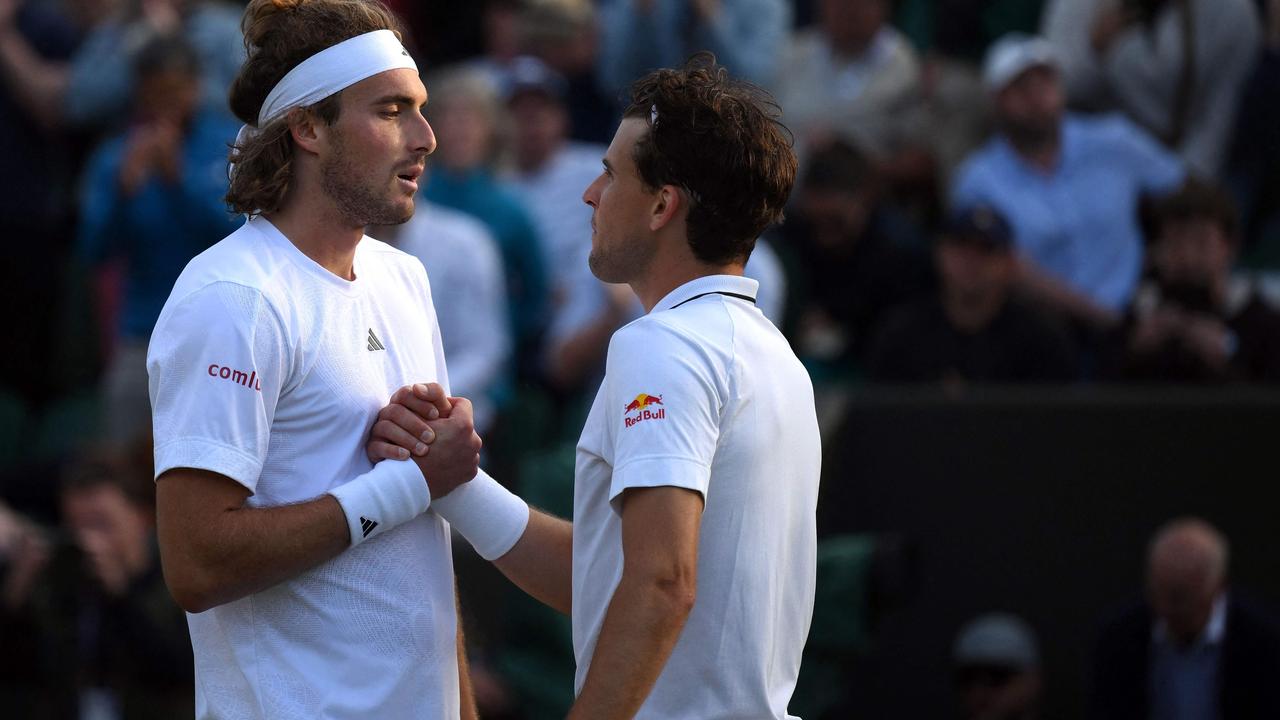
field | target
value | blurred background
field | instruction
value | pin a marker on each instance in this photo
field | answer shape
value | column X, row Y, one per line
column 1031, row 261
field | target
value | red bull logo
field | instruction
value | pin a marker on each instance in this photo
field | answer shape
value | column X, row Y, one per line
column 641, row 404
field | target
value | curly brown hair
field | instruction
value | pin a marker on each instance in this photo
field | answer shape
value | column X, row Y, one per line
column 721, row 141
column 280, row 34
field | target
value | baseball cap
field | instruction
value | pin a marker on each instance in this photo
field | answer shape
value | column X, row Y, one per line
column 1014, row 54
column 999, row 640
column 980, row 225
column 529, row 74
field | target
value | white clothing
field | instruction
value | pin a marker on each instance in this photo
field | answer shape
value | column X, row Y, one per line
column 872, row 100
column 553, row 196
column 268, row 369
column 465, row 264
column 704, row 393
column 1141, row 71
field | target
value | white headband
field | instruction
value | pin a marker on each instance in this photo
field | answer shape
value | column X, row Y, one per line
column 329, row 71
column 334, row 69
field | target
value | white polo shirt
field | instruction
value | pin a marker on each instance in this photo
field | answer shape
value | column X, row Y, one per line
column 270, row 370
column 704, row 393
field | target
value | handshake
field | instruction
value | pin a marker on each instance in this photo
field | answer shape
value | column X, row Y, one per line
column 437, row 432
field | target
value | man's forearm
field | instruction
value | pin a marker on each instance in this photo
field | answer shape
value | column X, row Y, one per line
column 243, row 550
column 640, row 630
column 541, row 562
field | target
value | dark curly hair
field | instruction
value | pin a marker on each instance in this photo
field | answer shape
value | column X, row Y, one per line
column 720, row 140
column 280, row 34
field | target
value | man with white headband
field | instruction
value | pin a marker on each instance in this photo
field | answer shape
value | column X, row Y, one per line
column 318, row 585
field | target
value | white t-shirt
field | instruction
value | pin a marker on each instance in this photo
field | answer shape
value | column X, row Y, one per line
column 270, row 370
column 704, row 393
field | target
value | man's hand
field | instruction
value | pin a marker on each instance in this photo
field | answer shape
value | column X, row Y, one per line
column 401, row 429
column 455, row 456
column 104, row 563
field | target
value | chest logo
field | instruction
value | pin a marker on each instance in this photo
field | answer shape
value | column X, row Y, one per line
column 374, row 342
column 642, row 405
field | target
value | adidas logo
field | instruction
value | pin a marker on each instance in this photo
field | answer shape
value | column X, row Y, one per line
column 367, row 525
column 374, row 342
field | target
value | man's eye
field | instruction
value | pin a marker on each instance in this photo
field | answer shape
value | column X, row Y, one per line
column 390, row 113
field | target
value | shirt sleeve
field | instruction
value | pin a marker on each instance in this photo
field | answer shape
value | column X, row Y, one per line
column 217, row 364
column 665, row 395
column 1159, row 170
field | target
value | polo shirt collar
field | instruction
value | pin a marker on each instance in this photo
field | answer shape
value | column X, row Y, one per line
column 731, row 285
column 1215, row 630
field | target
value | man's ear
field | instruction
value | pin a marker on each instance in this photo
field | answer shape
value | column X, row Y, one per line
column 308, row 132
column 669, row 203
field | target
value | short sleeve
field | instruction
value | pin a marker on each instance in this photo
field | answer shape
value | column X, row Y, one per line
column 665, row 397
column 217, row 366
column 1159, row 170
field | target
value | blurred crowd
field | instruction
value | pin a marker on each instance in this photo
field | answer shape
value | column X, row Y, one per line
column 990, row 192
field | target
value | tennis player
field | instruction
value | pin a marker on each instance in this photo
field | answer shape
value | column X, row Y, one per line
column 689, row 568
column 318, row 585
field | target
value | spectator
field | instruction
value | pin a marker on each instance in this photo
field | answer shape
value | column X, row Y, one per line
column 101, row 79
column 1254, row 172
column 1196, row 648
column 1176, row 67
column 1069, row 186
column 468, row 117
column 550, row 174
column 564, row 35
column 747, row 37
column 996, row 660
column 1192, row 323
column 36, row 42
column 975, row 329
column 462, row 260
column 152, row 197
column 852, row 75
column 93, row 631
column 851, row 259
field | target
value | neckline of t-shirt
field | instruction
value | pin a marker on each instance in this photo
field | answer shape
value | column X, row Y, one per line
column 299, row 258
column 733, row 285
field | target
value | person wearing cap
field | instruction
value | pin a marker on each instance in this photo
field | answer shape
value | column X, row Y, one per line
column 689, row 568
column 316, row 583
column 1068, row 185
column 1197, row 648
column 976, row 328
column 996, row 661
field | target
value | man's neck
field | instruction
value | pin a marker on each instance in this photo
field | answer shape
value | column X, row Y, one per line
column 667, row 274
column 317, row 229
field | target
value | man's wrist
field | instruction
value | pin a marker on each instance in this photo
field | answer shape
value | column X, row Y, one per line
column 489, row 516
column 392, row 493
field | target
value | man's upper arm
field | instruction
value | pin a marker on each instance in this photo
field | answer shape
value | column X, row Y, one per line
column 665, row 393
column 660, row 531
column 188, row 504
column 216, row 365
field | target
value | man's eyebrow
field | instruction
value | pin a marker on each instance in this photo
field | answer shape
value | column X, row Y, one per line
column 397, row 100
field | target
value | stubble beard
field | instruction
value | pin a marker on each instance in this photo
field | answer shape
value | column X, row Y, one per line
column 359, row 201
column 622, row 262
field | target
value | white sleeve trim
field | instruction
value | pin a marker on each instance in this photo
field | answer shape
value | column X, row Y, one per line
column 202, row 454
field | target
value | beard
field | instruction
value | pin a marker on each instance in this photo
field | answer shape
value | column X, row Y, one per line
column 1032, row 134
column 620, row 263
column 360, row 200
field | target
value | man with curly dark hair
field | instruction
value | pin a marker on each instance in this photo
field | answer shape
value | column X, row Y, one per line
column 689, row 567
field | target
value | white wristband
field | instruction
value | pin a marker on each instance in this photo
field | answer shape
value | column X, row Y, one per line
column 489, row 516
column 392, row 493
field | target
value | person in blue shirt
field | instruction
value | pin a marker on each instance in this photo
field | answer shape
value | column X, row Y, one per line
column 1069, row 185
column 636, row 36
column 152, row 198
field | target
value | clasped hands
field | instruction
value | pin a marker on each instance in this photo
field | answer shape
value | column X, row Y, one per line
column 421, row 423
